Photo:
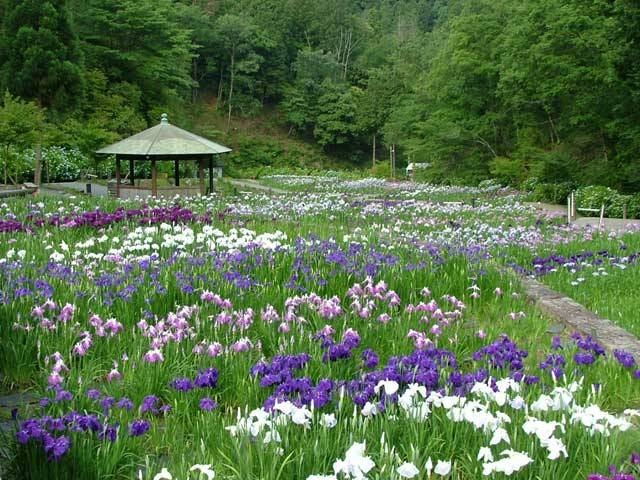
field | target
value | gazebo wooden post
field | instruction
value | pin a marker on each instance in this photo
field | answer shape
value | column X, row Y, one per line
column 118, row 166
column 160, row 143
column 154, row 178
column 201, row 174
column 211, row 174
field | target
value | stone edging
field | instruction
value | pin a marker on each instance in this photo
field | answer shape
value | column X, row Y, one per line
column 576, row 316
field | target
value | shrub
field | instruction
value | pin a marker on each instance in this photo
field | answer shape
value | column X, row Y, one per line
column 19, row 167
column 381, row 170
column 552, row 192
column 594, row 196
column 616, row 205
column 633, row 206
column 59, row 164
column 507, row 170
column 529, row 184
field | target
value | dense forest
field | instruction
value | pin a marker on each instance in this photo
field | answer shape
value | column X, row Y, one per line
column 546, row 89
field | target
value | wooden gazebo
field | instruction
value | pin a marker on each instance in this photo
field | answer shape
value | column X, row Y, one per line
column 164, row 142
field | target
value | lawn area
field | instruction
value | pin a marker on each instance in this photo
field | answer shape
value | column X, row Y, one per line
column 346, row 329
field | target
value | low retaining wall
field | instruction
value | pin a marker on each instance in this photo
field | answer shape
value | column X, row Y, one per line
column 575, row 315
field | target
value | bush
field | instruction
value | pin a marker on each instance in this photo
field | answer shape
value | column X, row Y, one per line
column 63, row 164
column 594, row 196
column 507, row 170
column 381, row 170
column 529, row 185
column 616, row 205
column 552, row 192
column 19, row 167
column 59, row 164
column 633, row 207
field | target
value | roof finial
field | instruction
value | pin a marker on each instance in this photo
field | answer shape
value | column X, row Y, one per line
column 164, row 119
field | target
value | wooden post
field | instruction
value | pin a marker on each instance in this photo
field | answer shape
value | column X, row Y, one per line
column 601, row 223
column 37, row 174
column 373, row 161
column 211, row 174
column 393, row 161
column 118, row 167
column 176, row 172
column 154, row 178
column 201, row 175
column 131, row 173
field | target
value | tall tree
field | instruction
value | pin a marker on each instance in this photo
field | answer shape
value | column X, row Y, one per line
column 557, row 62
column 40, row 56
column 452, row 117
column 237, row 37
column 40, row 59
column 141, row 42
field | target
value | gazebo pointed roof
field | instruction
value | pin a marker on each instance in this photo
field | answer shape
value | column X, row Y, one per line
column 164, row 140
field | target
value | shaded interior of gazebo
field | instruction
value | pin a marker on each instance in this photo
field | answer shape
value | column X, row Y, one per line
column 164, row 142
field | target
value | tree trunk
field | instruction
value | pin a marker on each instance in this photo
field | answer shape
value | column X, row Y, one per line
column 232, row 73
column 373, row 157
column 38, row 167
column 220, row 89
column 392, row 160
column 6, row 163
column 194, row 74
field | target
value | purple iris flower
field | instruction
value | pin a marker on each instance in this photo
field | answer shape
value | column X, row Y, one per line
column 94, row 394
column 125, row 403
column 182, row 384
column 584, row 358
column 207, row 404
column 56, row 447
column 139, row 427
column 625, row 359
column 207, row 378
column 370, row 358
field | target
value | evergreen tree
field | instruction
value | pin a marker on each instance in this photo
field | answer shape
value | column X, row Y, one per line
column 40, row 59
column 139, row 42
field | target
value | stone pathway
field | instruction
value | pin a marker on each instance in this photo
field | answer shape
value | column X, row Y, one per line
column 576, row 316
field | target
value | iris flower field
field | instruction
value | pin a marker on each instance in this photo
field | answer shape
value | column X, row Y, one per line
column 343, row 330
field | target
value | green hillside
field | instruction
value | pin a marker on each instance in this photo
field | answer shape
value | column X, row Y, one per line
column 261, row 143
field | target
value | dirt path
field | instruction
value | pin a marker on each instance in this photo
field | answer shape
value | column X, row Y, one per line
column 254, row 185
column 547, row 208
column 610, row 224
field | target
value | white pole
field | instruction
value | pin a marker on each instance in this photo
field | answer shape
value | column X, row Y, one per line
column 569, row 210
column 601, row 224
